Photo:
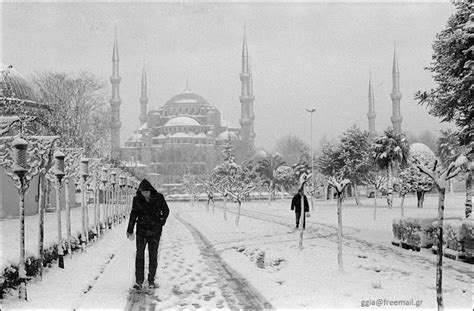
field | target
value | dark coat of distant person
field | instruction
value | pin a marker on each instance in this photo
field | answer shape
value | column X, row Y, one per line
column 296, row 203
column 150, row 217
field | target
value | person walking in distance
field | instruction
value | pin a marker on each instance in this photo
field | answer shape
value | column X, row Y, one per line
column 296, row 206
column 149, row 212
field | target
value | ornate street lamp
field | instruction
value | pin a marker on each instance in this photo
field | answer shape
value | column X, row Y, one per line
column 113, row 182
column 20, row 168
column 59, row 173
column 84, row 172
column 122, row 196
column 104, row 179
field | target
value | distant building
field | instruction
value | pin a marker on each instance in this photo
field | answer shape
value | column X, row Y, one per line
column 187, row 133
column 17, row 95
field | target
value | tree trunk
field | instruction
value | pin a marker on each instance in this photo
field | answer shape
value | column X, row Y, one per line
column 421, row 198
column 83, row 216
column 225, row 207
column 390, row 186
column 302, row 222
column 58, row 214
column 339, row 231
column 439, row 266
column 68, row 218
column 41, row 207
column 356, row 194
column 375, row 206
column 22, row 269
column 97, row 207
column 402, row 207
column 468, row 204
column 237, row 218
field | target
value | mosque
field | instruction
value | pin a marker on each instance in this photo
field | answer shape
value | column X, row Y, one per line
column 187, row 133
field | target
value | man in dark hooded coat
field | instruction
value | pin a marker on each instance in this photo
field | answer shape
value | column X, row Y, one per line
column 149, row 212
column 296, row 206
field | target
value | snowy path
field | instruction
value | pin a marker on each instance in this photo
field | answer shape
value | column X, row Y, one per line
column 190, row 275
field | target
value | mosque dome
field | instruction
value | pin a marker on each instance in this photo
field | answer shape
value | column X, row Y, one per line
column 227, row 135
column 187, row 97
column 421, row 149
column 13, row 85
column 182, row 121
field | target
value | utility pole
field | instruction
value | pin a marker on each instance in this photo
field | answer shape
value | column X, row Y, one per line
column 311, row 111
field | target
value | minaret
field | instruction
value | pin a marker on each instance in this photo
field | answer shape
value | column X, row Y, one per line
column 246, row 100
column 371, row 114
column 143, row 99
column 115, row 102
column 396, row 95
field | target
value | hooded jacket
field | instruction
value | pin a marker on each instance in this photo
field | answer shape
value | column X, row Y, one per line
column 296, row 203
column 150, row 216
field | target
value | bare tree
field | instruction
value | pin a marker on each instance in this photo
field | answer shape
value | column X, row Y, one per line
column 440, row 179
column 339, row 185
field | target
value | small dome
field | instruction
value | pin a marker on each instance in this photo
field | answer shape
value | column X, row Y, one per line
column 13, row 85
column 227, row 135
column 187, row 98
column 420, row 149
column 182, row 121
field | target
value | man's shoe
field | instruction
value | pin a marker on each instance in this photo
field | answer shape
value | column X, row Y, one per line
column 152, row 285
column 137, row 286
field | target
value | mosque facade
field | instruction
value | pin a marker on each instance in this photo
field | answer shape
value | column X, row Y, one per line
column 186, row 135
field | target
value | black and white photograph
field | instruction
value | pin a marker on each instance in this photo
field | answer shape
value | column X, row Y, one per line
column 236, row 155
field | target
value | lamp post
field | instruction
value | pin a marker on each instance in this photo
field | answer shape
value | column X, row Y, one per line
column 113, row 182
column 311, row 111
column 20, row 168
column 59, row 173
column 122, row 197
column 104, row 179
column 95, row 189
column 84, row 169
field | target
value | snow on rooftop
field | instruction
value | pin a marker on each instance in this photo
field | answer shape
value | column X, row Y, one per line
column 183, row 135
column 185, row 121
column 186, row 101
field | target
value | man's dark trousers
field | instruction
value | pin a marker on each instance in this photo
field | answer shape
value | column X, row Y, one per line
column 153, row 242
column 298, row 215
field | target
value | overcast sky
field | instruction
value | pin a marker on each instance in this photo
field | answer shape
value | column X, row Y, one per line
column 302, row 56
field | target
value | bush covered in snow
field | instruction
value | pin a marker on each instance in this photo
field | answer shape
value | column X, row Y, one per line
column 422, row 232
column 418, row 232
column 10, row 274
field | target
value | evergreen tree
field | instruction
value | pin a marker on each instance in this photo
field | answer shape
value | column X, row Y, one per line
column 453, row 71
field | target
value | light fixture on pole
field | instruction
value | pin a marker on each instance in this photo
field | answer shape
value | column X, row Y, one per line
column 104, row 179
column 84, row 171
column 59, row 173
column 311, row 111
column 113, row 182
column 20, row 168
column 121, row 186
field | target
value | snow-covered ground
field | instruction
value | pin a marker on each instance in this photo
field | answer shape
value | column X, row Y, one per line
column 10, row 229
column 203, row 259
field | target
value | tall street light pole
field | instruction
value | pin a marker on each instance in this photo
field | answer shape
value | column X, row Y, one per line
column 311, row 111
